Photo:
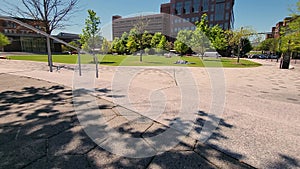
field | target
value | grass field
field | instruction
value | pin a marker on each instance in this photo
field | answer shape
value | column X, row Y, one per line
column 151, row 60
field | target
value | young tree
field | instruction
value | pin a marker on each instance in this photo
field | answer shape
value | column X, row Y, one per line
column 161, row 47
column 3, row 41
column 53, row 14
column 199, row 42
column 106, row 46
column 246, row 47
column 235, row 38
column 182, row 43
column 140, row 28
column 90, row 37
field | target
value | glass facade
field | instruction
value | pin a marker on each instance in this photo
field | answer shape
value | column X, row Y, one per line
column 211, row 18
column 30, row 44
column 228, row 5
column 212, row 8
column 220, row 11
column 196, row 6
column 187, row 7
column 178, row 8
column 227, row 16
column 205, row 4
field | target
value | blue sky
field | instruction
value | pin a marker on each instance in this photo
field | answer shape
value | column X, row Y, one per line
column 259, row 14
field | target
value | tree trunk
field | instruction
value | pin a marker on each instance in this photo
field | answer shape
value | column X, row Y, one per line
column 141, row 56
column 50, row 64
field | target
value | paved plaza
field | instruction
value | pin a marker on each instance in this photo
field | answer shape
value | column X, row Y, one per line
column 258, row 124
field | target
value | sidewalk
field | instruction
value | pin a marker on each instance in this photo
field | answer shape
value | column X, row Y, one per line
column 39, row 129
column 259, row 125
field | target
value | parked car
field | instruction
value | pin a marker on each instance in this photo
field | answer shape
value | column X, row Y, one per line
column 273, row 57
column 66, row 53
column 255, row 56
column 262, row 56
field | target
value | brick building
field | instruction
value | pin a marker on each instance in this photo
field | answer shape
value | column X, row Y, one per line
column 277, row 30
column 219, row 12
column 23, row 39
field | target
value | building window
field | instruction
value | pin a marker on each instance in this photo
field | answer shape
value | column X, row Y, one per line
column 187, row 7
column 173, row 9
column 212, row 8
column 226, row 26
column 228, row 5
column 205, row 4
column 196, row 5
column 218, row 1
column 221, row 26
column 211, row 17
column 178, row 10
column 220, row 11
column 227, row 16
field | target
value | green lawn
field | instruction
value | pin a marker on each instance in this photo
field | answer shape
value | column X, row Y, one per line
column 129, row 60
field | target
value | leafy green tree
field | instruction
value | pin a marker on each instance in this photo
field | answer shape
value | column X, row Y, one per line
column 156, row 38
column 199, row 42
column 3, row 41
column 169, row 46
column 161, row 47
column 216, row 35
column 180, row 47
column 234, row 38
column 90, row 38
column 73, row 43
column 146, row 40
column 270, row 44
column 182, row 43
column 218, row 38
column 245, row 47
column 91, row 31
column 118, row 46
column 106, row 46
column 133, row 43
column 291, row 34
column 140, row 28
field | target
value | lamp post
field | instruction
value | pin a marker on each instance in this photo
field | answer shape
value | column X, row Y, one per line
column 285, row 62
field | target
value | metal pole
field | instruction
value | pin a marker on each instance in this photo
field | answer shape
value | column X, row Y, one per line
column 49, row 54
column 96, row 59
column 79, row 62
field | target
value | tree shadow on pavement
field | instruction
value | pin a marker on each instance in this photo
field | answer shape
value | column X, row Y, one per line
column 40, row 129
column 285, row 162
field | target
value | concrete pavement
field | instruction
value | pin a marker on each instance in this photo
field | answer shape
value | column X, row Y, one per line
column 258, row 127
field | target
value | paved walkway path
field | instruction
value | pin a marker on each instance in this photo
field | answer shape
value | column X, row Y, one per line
column 39, row 127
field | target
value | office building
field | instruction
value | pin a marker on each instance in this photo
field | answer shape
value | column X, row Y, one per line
column 154, row 23
column 181, row 14
column 219, row 12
